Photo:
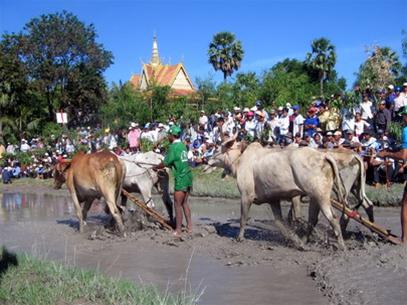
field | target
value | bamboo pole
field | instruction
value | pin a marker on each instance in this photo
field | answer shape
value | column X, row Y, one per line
column 382, row 232
column 157, row 217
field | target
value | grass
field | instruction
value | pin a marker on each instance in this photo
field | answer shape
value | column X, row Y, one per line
column 213, row 185
column 28, row 281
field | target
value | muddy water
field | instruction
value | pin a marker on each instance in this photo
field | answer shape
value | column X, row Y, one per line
column 44, row 225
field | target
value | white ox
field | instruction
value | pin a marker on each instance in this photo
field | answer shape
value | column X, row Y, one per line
column 352, row 172
column 268, row 176
column 141, row 178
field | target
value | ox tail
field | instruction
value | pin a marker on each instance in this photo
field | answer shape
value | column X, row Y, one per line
column 121, row 176
column 341, row 190
column 365, row 201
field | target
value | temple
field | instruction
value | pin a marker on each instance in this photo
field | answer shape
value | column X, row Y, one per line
column 158, row 74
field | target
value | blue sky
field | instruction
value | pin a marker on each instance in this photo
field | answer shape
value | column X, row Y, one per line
column 269, row 30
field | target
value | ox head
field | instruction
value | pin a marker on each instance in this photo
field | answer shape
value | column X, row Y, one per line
column 226, row 155
column 59, row 174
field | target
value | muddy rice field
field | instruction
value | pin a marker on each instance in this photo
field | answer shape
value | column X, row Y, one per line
column 264, row 269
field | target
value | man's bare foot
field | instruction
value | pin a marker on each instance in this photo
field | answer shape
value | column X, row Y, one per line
column 189, row 230
column 176, row 234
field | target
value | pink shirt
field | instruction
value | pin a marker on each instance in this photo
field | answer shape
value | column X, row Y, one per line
column 133, row 137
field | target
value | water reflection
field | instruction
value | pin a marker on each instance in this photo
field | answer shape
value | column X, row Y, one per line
column 32, row 206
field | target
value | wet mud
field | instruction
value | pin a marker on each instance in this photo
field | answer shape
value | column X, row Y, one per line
column 264, row 269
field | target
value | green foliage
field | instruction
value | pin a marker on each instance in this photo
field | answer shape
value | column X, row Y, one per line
column 124, row 105
column 322, row 59
column 288, row 81
column 225, row 53
column 396, row 130
column 146, row 145
column 246, row 89
column 51, row 128
column 58, row 64
column 380, row 69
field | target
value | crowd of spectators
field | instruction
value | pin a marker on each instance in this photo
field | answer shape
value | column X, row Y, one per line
column 363, row 127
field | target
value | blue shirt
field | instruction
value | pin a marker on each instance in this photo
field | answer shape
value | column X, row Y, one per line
column 404, row 138
column 311, row 121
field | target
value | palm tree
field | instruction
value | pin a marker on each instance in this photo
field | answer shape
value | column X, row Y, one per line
column 225, row 53
column 322, row 59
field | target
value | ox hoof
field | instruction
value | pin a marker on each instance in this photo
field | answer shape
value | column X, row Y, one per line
column 240, row 239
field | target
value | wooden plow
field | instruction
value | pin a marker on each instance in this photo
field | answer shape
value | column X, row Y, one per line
column 149, row 211
column 382, row 232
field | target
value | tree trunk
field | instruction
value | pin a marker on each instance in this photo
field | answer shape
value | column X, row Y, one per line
column 1, row 132
column 321, row 82
column 225, row 76
column 50, row 108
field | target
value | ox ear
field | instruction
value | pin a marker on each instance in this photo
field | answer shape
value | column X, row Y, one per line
column 228, row 144
column 64, row 165
column 243, row 146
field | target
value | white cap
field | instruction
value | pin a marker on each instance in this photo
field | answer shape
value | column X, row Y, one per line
column 133, row 125
column 254, row 108
column 280, row 108
column 170, row 123
column 288, row 105
column 391, row 87
column 405, row 84
column 161, row 125
column 46, row 154
column 246, row 109
column 23, row 140
column 337, row 133
column 236, row 108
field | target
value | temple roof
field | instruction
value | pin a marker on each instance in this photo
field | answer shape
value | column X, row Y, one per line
column 156, row 73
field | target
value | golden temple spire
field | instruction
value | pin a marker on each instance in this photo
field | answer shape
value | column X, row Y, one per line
column 155, row 58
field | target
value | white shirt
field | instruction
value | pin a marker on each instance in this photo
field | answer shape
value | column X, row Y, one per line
column 400, row 101
column 284, row 124
column 250, row 127
column 298, row 121
column 366, row 108
column 360, row 127
column 25, row 147
column 203, row 120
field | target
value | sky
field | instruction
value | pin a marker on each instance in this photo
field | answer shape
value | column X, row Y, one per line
column 270, row 31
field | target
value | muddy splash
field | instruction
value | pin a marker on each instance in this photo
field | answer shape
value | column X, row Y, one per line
column 265, row 269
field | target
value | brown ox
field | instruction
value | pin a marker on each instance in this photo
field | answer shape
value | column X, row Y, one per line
column 89, row 177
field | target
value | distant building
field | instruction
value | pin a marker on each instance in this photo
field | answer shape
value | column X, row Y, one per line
column 159, row 74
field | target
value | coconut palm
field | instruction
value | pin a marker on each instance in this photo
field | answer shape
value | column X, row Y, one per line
column 322, row 59
column 225, row 53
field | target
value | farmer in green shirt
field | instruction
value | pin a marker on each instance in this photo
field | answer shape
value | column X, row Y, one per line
column 177, row 159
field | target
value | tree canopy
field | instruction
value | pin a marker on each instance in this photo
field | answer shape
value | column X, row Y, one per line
column 60, row 66
column 322, row 59
column 225, row 53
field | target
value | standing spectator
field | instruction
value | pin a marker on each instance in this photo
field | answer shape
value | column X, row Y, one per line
column 250, row 125
column 366, row 109
column 311, row 122
column 2, row 150
column 134, row 137
column 283, row 124
column 401, row 100
column 10, row 148
column 297, row 121
column 203, row 120
column 24, row 146
column 383, row 117
column 259, row 106
column 360, row 125
column 261, row 125
column 273, row 127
